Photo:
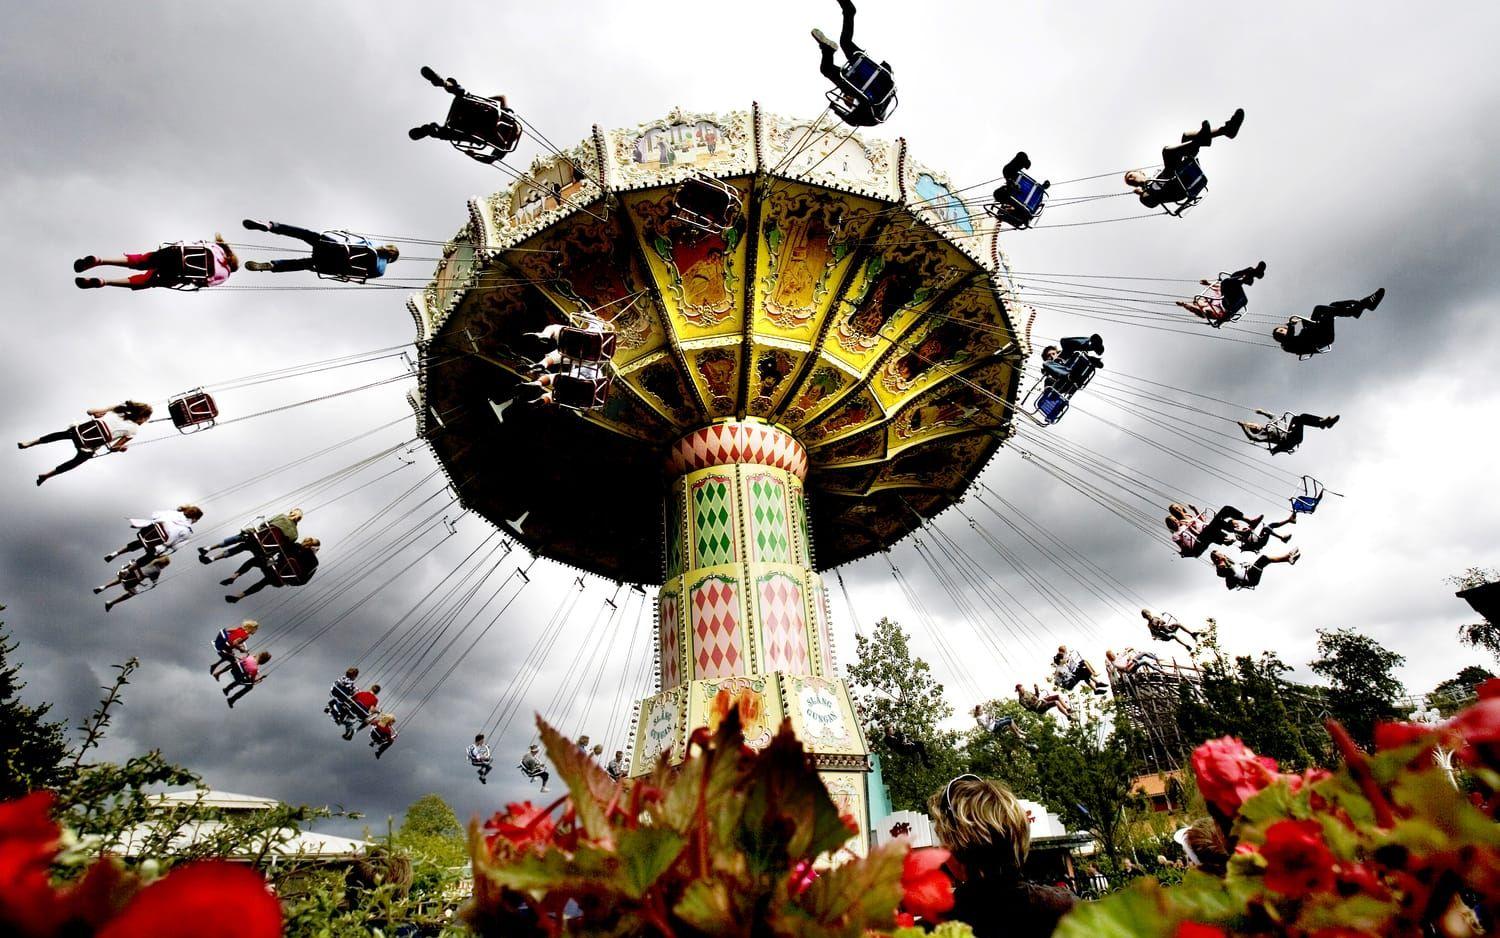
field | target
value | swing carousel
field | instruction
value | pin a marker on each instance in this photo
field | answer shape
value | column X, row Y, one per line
column 815, row 350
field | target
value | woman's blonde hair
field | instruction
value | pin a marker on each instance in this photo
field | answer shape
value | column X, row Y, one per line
column 250, row 625
column 984, row 825
column 230, row 259
column 193, row 512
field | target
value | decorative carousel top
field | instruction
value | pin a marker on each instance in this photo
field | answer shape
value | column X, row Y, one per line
column 845, row 296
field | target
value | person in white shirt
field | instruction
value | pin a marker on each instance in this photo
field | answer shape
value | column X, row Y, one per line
column 532, row 767
column 481, row 758
column 136, row 576
column 176, row 526
column 1127, row 662
column 109, row 429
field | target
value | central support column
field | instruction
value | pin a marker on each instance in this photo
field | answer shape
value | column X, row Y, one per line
column 742, row 617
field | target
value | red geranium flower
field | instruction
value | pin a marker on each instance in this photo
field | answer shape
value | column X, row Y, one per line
column 28, row 842
column 523, row 825
column 1229, row 773
column 926, row 890
column 1298, row 863
column 1197, row 930
column 210, row 899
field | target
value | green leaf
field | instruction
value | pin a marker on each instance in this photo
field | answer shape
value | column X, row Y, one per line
column 645, row 854
column 706, row 905
column 590, row 786
column 1141, row 911
column 856, row 896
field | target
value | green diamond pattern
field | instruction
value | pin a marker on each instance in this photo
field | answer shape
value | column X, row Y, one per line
column 768, row 507
column 711, row 522
column 674, row 535
column 800, row 511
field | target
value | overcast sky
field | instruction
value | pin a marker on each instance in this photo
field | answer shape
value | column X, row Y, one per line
column 1367, row 159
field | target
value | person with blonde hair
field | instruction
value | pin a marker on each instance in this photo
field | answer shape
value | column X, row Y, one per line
column 1204, row 847
column 230, row 645
column 301, row 558
column 986, row 829
column 164, row 267
column 170, row 528
column 108, row 430
column 382, row 733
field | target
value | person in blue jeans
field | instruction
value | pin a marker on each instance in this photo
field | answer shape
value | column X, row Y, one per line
column 331, row 255
column 1068, row 365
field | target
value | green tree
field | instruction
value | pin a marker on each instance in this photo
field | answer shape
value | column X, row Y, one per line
column 1085, row 773
column 431, row 828
column 32, row 748
column 901, row 704
column 1250, row 698
column 1362, row 687
column 1452, row 695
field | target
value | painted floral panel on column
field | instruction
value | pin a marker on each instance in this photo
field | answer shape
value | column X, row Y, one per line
column 783, row 623
column 661, row 730
column 847, row 789
column 671, row 649
column 675, row 525
column 773, row 542
column 713, row 521
column 718, row 649
column 759, row 716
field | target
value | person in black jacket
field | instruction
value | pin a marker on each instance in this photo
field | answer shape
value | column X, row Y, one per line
column 987, row 831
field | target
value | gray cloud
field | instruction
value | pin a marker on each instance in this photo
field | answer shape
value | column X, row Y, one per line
column 1365, row 161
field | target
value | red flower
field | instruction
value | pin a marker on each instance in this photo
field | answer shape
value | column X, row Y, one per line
column 802, row 877
column 1229, row 773
column 1298, row 863
column 1490, row 689
column 28, row 842
column 926, row 889
column 1479, row 726
column 197, row 900
column 1396, row 735
column 1358, row 878
column 522, row 826
column 1197, row 930
column 906, row 920
column 211, row 899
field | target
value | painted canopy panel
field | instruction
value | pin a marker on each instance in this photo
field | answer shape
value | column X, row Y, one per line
column 850, row 301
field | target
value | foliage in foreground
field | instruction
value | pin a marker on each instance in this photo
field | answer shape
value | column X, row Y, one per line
column 723, row 845
column 1390, row 844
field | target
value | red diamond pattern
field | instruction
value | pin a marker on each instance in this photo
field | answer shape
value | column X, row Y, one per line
column 716, row 629
column 671, row 667
column 725, row 443
column 784, row 624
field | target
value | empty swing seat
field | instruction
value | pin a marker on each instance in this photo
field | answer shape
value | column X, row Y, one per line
column 1312, row 495
column 708, row 204
column 1051, row 405
column 193, row 411
column 91, row 435
column 1023, row 202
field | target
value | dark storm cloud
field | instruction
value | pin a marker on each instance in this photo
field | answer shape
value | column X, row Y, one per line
column 1365, row 161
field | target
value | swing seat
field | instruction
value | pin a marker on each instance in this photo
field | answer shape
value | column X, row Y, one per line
column 183, row 266
column 91, row 435
column 869, row 81
column 1023, row 203
column 707, row 204
column 580, row 392
column 192, row 411
column 1212, row 297
column 1183, row 188
column 482, row 129
column 587, row 345
column 133, row 580
column 272, row 546
column 152, row 537
column 345, row 257
column 1312, row 495
column 1051, row 405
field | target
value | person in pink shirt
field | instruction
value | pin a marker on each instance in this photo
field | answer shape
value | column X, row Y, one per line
column 162, row 267
column 246, row 674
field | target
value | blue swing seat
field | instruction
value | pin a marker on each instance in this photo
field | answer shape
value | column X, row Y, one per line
column 1051, row 405
column 1023, row 203
column 1312, row 495
column 1184, row 188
